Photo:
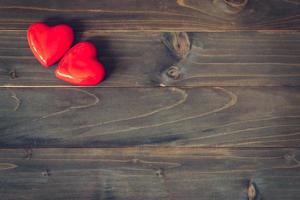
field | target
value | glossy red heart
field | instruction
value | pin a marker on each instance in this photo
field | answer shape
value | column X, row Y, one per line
column 49, row 44
column 80, row 66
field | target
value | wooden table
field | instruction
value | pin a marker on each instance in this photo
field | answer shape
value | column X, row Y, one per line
column 201, row 101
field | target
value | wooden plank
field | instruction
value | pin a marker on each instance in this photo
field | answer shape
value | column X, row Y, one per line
column 115, row 117
column 150, row 173
column 155, row 15
column 146, row 59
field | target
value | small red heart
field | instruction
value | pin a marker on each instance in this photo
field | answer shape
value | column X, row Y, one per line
column 80, row 66
column 49, row 44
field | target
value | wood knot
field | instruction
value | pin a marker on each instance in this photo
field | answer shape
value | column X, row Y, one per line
column 13, row 74
column 231, row 6
column 174, row 73
column 178, row 43
column 251, row 191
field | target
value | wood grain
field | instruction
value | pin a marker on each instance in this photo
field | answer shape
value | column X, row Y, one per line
column 118, row 117
column 150, row 173
column 154, row 15
column 145, row 59
column 185, row 105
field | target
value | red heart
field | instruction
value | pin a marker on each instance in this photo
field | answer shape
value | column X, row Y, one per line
column 80, row 66
column 49, row 44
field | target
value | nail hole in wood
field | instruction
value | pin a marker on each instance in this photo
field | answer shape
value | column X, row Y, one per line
column 13, row 74
column 159, row 172
column 28, row 153
column 47, row 172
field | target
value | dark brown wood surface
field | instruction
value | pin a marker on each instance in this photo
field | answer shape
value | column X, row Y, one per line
column 117, row 117
column 154, row 15
column 144, row 59
column 150, row 173
column 201, row 101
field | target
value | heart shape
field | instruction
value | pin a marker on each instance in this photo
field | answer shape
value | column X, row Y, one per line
column 80, row 66
column 49, row 44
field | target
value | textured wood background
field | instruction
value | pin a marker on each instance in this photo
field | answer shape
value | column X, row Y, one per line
column 105, row 117
column 143, row 59
column 201, row 101
column 150, row 173
column 155, row 15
